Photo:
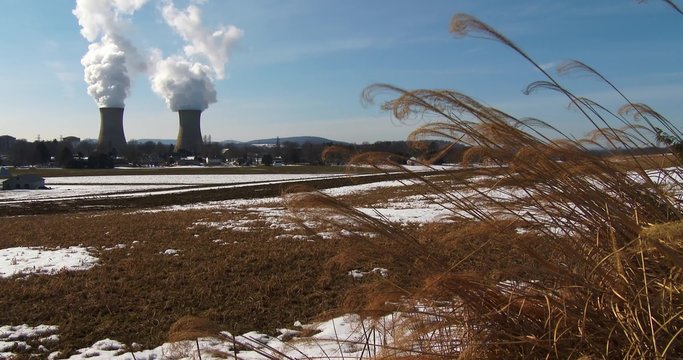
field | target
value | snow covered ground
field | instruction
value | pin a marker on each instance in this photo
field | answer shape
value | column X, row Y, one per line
column 36, row 260
column 181, row 179
column 74, row 187
column 79, row 187
column 345, row 337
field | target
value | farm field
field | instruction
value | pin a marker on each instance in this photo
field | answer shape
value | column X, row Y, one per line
column 128, row 274
column 113, row 272
column 102, row 280
column 134, row 188
column 140, row 185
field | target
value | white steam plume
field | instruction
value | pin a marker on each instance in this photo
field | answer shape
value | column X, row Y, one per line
column 216, row 46
column 106, row 74
column 183, row 84
column 101, row 17
column 186, row 82
column 110, row 57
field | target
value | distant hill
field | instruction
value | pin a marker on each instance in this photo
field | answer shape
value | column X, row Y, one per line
column 295, row 139
column 173, row 141
column 163, row 141
column 272, row 141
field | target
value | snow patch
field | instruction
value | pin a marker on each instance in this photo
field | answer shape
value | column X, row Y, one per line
column 39, row 260
column 358, row 274
column 20, row 338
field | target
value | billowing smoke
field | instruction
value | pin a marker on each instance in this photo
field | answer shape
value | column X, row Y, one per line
column 106, row 74
column 183, row 84
column 216, row 46
column 186, row 81
column 110, row 57
column 101, row 17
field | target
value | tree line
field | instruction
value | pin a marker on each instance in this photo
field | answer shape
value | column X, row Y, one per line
column 84, row 154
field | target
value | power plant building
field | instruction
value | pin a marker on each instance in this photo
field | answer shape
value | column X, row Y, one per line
column 189, row 132
column 112, row 138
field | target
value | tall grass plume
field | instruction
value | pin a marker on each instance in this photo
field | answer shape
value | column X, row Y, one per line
column 560, row 248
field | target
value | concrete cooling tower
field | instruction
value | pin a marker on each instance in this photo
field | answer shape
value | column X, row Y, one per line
column 189, row 133
column 111, row 130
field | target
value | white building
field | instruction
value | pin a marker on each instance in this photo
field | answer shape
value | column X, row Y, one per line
column 24, row 181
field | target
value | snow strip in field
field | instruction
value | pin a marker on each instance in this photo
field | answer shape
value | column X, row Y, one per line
column 182, row 179
column 64, row 191
column 36, row 260
column 66, row 188
column 354, row 189
column 258, row 203
column 348, row 337
column 270, row 212
column 428, row 213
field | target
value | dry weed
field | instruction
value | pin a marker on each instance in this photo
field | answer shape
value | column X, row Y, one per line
column 561, row 251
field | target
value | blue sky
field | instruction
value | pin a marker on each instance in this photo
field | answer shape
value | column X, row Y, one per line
column 301, row 65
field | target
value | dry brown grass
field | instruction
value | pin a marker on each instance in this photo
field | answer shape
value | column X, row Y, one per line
column 653, row 161
column 135, row 294
column 191, row 328
column 579, row 259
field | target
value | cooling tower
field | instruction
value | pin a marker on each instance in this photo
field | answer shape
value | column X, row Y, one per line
column 189, row 133
column 111, row 130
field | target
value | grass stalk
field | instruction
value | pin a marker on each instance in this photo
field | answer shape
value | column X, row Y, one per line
column 574, row 272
